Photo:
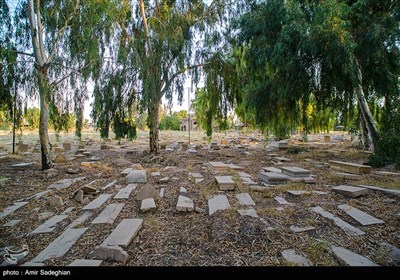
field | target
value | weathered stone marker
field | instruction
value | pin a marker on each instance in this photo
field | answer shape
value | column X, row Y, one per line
column 351, row 167
column 350, row 191
column 225, row 183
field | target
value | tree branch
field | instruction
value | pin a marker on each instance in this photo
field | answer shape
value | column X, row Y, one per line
column 35, row 43
column 61, row 32
column 181, row 71
column 146, row 27
column 40, row 30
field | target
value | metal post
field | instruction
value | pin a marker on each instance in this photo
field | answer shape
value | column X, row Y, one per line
column 190, row 123
column 14, row 117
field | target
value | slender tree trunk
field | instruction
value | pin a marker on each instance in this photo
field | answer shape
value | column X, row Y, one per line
column 153, row 125
column 369, row 130
column 45, row 145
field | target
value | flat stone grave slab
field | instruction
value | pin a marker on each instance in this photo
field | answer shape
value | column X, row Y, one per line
column 346, row 175
column 360, row 216
column 296, row 172
column 290, row 255
column 32, row 264
column 11, row 223
column 245, row 199
column 297, row 193
column 350, row 191
column 22, row 165
column 350, row 258
column 244, row 174
column 218, row 202
column 196, row 175
column 148, row 204
column 235, row 167
column 126, row 171
column 272, row 178
column 136, row 176
column 248, row 212
column 38, row 195
column 387, row 191
column 282, row 159
column 50, row 224
column 124, row 193
column 282, row 201
column 351, row 167
column 112, row 184
column 272, row 169
column 124, row 233
column 184, row 204
column 60, row 245
column 280, row 144
column 217, row 165
column 80, row 220
column 296, row 229
column 155, row 174
column 109, row 214
column 65, row 183
column 84, row 262
column 248, row 181
column 339, row 222
column 99, row 201
column 12, row 208
column 225, row 183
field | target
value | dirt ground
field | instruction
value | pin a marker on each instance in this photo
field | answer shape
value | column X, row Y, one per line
column 172, row 238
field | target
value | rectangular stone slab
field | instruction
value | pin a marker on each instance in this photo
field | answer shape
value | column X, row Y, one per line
column 339, row 222
column 80, row 220
column 351, row 167
column 60, row 245
column 136, row 176
column 350, row 191
column 124, row 233
column 360, row 216
column 97, row 202
column 296, row 172
column 50, row 224
column 83, row 262
column 125, row 192
column 272, row 169
column 218, row 202
column 282, row 201
column 218, row 165
column 351, row 258
column 109, row 214
column 291, row 256
column 225, row 183
column 245, row 199
column 272, row 178
column 12, row 208
column 387, row 191
column 11, row 223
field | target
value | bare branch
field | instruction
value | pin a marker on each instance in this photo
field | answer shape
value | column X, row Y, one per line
column 146, row 27
column 40, row 30
column 33, row 27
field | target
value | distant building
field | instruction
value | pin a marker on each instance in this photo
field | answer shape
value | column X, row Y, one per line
column 184, row 124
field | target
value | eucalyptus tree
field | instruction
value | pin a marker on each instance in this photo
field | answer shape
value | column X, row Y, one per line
column 158, row 44
column 339, row 51
column 56, row 41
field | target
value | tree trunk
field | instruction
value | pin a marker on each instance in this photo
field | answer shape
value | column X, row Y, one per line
column 370, row 135
column 153, row 125
column 44, row 118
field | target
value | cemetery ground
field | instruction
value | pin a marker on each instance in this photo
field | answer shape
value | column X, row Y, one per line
column 234, row 202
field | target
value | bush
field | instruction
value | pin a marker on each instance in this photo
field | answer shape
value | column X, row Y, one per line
column 170, row 123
